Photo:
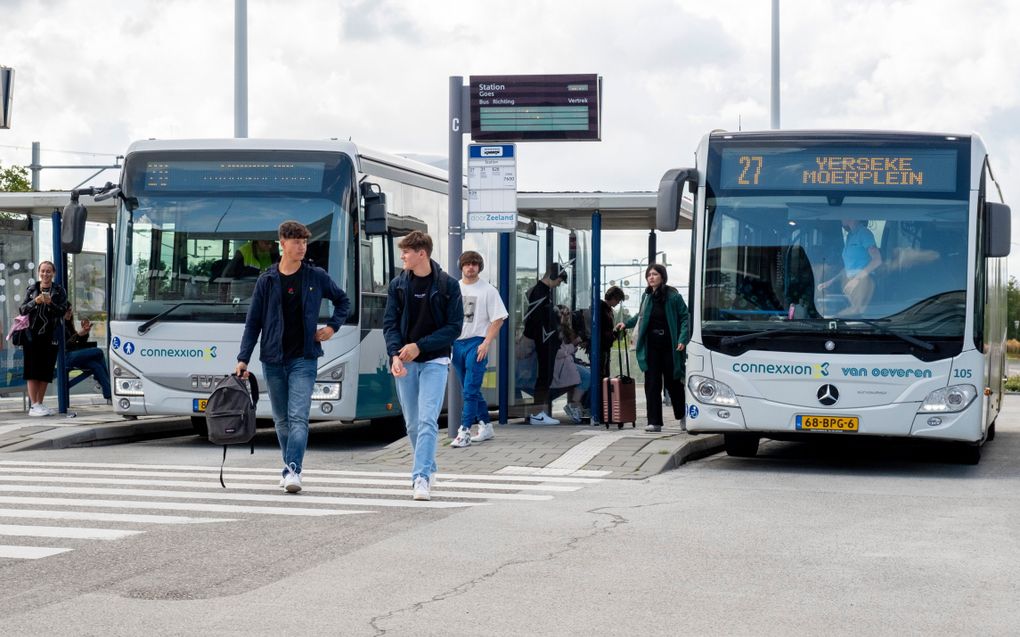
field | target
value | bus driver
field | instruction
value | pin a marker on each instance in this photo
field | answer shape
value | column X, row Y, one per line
column 860, row 258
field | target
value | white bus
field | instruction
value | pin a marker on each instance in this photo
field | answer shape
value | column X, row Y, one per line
column 180, row 292
column 844, row 284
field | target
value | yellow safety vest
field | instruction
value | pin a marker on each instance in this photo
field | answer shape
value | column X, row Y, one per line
column 261, row 262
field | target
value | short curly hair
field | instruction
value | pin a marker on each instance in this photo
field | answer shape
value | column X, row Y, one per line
column 294, row 230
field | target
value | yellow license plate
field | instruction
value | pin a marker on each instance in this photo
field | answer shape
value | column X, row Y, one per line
column 198, row 405
column 827, row 423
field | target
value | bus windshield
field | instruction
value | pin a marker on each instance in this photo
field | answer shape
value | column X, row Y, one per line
column 202, row 227
column 836, row 238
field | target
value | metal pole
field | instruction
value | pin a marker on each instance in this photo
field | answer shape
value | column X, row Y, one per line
column 775, row 64
column 455, row 208
column 595, row 393
column 651, row 247
column 503, row 372
column 60, row 261
column 109, row 288
column 240, row 68
column 35, row 167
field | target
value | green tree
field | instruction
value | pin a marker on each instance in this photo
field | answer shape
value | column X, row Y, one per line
column 14, row 179
column 1012, row 307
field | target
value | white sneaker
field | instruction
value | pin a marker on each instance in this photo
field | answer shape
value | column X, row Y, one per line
column 49, row 411
column 574, row 411
column 463, row 438
column 541, row 418
column 421, row 489
column 37, row 410
column 292, row 481
column 484, row 432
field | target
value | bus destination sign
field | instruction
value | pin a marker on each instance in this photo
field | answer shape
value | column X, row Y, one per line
column 839, row 168
column 532, row 108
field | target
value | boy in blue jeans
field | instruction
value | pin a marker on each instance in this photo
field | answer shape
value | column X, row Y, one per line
column 484, row 314
column 424, row 316
column 285, row 307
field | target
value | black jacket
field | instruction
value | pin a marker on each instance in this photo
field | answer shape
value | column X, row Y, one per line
column 446, row 304
column 43, row 320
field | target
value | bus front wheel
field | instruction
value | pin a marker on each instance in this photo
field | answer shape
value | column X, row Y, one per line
column 741, row 445
column 968, row 453
column 200, row 427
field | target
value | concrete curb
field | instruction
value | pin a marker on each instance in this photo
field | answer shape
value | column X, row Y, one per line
column 692, row 448
column 99, row 434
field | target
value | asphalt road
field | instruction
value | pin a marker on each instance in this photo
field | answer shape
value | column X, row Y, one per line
column 867, row 538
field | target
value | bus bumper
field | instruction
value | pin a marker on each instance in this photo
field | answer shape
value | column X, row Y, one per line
column 778, row 420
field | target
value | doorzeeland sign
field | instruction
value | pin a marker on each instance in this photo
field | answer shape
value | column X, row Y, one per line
column 492, row 188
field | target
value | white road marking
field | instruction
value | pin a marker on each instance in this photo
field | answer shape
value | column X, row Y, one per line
column 250, row 497
column 581, row 454
column 18, row 530
column 578, row 477
column 306, row 479
column 29, row 552
column 37, row 514
column 231, row 509
column 403, row 491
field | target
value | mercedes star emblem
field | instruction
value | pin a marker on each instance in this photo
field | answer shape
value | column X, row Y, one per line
column 828, row 395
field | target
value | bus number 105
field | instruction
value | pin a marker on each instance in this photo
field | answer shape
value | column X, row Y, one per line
column 746, row 162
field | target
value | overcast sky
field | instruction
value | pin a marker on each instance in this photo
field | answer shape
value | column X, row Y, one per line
column 93, row 76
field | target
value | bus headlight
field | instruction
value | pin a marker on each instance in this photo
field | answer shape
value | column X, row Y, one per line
column 326, row 391
column 712, row 392
column 948, row 399
column 128, row 387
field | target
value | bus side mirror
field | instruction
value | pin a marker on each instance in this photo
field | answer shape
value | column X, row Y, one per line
column 375, row 208
column 667, row 204
column 997, row 226
column 72, row 227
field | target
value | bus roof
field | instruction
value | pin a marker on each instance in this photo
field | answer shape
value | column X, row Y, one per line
column 848, row 134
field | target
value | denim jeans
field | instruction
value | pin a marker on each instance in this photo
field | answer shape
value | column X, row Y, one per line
column 91, row 358
column 290, row 393
column 421, row 392
column 471, row 372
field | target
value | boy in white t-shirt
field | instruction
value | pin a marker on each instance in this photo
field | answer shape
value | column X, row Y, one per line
column 484, row 314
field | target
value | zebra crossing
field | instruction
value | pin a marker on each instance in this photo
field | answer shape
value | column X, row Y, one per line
column 49, row 506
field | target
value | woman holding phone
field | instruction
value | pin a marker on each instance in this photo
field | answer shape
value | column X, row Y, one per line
column 45, row 303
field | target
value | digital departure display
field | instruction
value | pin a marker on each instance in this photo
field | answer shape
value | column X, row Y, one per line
column 535, row 108
column 233, row 176
column 839, row 168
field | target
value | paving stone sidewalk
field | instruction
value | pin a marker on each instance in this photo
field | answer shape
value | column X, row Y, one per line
column 566, row 450
column 558, row 450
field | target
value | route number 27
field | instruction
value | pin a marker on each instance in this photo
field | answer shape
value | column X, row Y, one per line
column 749, row 164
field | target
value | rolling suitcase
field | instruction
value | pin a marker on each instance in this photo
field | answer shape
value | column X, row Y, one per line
column 618, row 398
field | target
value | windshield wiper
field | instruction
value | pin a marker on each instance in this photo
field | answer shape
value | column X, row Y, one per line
column 925, row 345
column 144, row 327
column 750, row 336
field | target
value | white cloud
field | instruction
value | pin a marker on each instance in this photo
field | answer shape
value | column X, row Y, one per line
column 95, row 76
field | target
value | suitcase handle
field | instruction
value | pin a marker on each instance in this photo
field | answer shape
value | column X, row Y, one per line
column 622, row 336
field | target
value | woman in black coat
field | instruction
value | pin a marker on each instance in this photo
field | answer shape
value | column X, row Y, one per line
column 45, row 304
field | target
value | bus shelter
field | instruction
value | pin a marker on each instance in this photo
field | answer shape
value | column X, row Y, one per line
column 29, row 233
column 566, row 228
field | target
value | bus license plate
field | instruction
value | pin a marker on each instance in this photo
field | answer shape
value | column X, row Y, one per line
column 827, row 423
column 198, row 405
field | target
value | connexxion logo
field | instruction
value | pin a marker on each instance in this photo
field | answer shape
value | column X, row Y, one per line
column 815, row 370
column 128, row 348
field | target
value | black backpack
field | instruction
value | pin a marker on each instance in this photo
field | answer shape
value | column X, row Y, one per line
column 230, row 414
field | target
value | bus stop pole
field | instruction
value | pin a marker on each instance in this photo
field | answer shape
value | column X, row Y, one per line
column 60, row 276
column 503, row 371
column 455, row 206
column 595, row 395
